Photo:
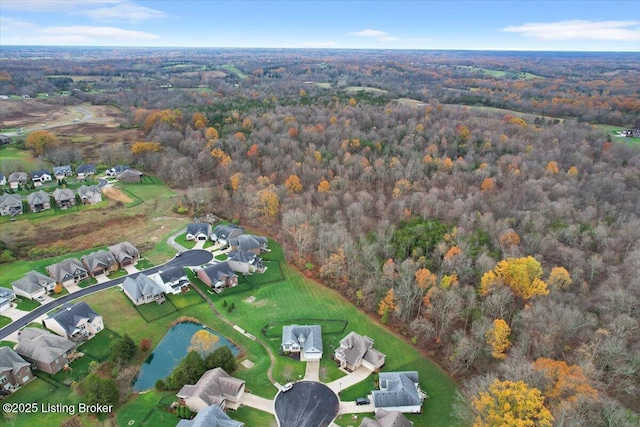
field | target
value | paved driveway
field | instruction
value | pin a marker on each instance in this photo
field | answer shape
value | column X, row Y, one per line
column 307, row 404
column 312, row 371
column 352, row 378
column 257, row 402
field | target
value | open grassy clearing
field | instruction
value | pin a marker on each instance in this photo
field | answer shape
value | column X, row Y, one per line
column 232, row 69
column 12, row 159
column 528, row 117
column 364, row 89
column 324, row 85
column 612, row 132
column 147, row 409
column 87, row 78
column 502, row 74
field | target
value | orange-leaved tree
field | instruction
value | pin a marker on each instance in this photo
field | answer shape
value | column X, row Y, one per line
column 387, row 305
column 293, row 184
column 41, row 142
column 509, row 403
column 565, row 384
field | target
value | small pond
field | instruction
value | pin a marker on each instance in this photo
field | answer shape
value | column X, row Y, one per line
column 170, row 351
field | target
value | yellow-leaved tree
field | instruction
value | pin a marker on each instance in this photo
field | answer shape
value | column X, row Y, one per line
column 203, row 342
column 387, row 305
column 521, row 275
column 509, row 403
column 498, row 339
column 559, row 278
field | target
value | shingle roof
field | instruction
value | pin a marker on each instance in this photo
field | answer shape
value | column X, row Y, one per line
column 41, row 345
column 32, row 282
column 141, row 286
column 309, row 337
column 65, row 268
column 397, row 389
column 102, row 259
column 18, row 177
column 124, row 250
column 387, row 419
column 242, row 256
column 198, row 228
column 129, row 174
column 66, row 170
column 353, row 347
column 6, row 295
column 212, row 386
column 39, row 197
column 37, row 174
column 211, row 416
column 86, row 168
column 218, row 271
column 8, row 200
column 223, row 231
column 248, row 242
column 10, row 360
column 88, row 190
column 173, row 274
column 62, row 194
column 71, row 315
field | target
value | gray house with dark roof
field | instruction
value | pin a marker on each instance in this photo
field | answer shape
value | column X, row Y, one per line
column 85, row 170
column 10, row 204
column 399, row 391
column 143, row 290
column 61, row 172
column 116, row 170
column 125, row 253
column 90, row 194
column 248, row 242
column 100, row 262
column 64, row 198
column 48, row 352
column 215, row 387
column 33, row 285
column 14, row 370
column 387, row 419
column 198, row 231
column 210, row 417
column 303, row 339
column 77, row 322
column 68, row 272
column 222, row 233
column 245, row 262
column 17, row 178
column 218, row 276
column 357, row 350
column 130, row 175
column 39, row 201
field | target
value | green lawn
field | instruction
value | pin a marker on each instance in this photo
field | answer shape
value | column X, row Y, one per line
column 147, row 410
column 7, row 344
column 4, row 321
column 118, row 273
column 232, row 69
column 353, row 420
column 612, row 132
column 149, row 188
column 27, row 304
column 13, row 156
column 182, row 240
column 364, row 89
column 153, row 311
column 361, row 389
column 253, row 417
column 143, row 264
column 98, row 346
column 79, row 369
column 186, row 300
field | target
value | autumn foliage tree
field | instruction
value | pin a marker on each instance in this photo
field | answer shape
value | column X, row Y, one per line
column 564, row 384
column 41, row 142
column 293, row 184
column 324, row 186
column 146, row 147
column 521, row 275
column 559, row 278
column 204, row 342
column 387, row 305
column 498, row 339
column 509, row 403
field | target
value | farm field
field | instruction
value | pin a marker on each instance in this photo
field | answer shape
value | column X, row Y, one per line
column 364, row 89
column 234, row 70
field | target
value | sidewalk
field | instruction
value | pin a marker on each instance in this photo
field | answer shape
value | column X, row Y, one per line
column 354, row 377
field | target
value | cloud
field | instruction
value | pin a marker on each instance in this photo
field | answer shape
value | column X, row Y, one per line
column 108, row 33
column 381, row 36
column 99, row 10
column 319, row 45
column 579, row 30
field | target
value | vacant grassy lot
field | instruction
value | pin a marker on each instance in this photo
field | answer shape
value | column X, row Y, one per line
column 232, row 69
column 364, row 89
column 147, row 409
column 11, row 158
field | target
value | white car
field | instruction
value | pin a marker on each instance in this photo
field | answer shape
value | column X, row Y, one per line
column 40, row 298
column 285, row 388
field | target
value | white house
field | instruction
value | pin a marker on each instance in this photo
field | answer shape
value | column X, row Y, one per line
column 198, row 231
column 143, row 290
column 173, row 281
column 77, row 322
column 33, row 285
column 303, row 339
column 215, row 387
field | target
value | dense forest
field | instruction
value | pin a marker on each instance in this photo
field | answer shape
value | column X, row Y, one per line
column 467, row 200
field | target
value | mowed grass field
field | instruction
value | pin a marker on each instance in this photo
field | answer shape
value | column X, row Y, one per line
column 612, row 132
column 10, row 157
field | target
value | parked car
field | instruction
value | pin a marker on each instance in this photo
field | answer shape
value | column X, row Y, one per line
column 40, row 298
column 362, row 401
column 285, row 388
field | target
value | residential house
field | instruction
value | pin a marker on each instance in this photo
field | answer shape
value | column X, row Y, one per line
column 143, row 290
column 17, row 178
column 68, row 272
column 245, row 262
column 14, row 370
column 10, row 204
column 33, row 285
column 218, row 276
column 85, row 170
column 173, row 281
column 39, row 201
column 357, row 350
column 64, row 198
column 215, row 387
column 100, row 262
column 130, row 175
column 303, row 339
column 3, row 179
column 248, row 242
column 77, row 322
column 6, row 296
column 40, row 176
column 90, row 194
column 399, row 391
column 198, row 231
column 61, row 172
column 125, row 253
column 5, row 139
column 222, row 233
column 116, row 170
column 210, row 417
column 387, row 419
column 48, row 352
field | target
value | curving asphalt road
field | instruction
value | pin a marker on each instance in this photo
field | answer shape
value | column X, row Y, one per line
column 190, row 258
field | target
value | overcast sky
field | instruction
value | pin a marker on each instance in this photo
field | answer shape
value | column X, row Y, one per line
column 578, row 25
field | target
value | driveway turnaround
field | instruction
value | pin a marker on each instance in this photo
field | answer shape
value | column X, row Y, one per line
column 307, row 404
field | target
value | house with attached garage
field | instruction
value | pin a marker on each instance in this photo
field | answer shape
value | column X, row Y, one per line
column 399, row 391
column 85, row 170
column 223, row 232
column 39, row 201
column 357, row 350
column 40, row 176
column 90, row 194
column 387, row 419
column 130, row 175
column 303, row 339
column 125, row 253
column 10, row 204
column 198, row 231
column 211, row 416
column 143, row 290
column 215, row 387
column 17, row 178
column 116, row 170
column 173, row 281
column 248, row 242
column 46, row 351
column 245, row 262
column 100, row 262
column 64, row 198
column 218, row 276
column 33, row 285
column 61, row 172
column 76, row 322
column 6, row 296
column 68, row 272
column 14, row 370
